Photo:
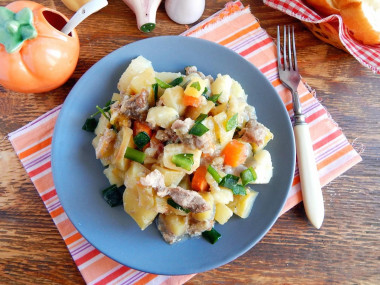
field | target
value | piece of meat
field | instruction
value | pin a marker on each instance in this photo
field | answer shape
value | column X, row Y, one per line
column 205, row 142
column 167, row 136
column 187, row 199
column 253, row 132
column 156, row 147
column 155, row 179
column 182, row 127
column 135, row 106
column 193, row 69
column 218, row 162
column 196, row 228
column 106, row 143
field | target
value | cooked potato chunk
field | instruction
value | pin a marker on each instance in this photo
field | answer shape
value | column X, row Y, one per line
column 124, row 139
column 236, row 105
column 194, row 112
column 242, row 204
column 162, row 205
column 222, row 213
column 136, row 66
column 222, row 135
column 237, row 91
column 134, row 173
column 262, row 164
column 208, row 215
column 195, row 87
column 114, row 175
column 177, row 225
column 95, row 142
column 162, row 116
column 222, row 195
column 168, row 76
column 142, row 81
column 173, row 97
column 268, row 137
column 139, row 201
column 102, row 125
column 222, row 85
column 142, row 214
column 171, row 177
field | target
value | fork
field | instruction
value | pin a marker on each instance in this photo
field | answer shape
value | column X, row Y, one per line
column 290, row 77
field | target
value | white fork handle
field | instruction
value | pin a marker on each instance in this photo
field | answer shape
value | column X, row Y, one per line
column 311, row 187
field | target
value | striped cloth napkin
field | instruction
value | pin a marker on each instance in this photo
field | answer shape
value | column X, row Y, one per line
column 365, row 54
column 236, row 28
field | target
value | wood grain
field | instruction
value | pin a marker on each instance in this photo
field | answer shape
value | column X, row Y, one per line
column 346, row 250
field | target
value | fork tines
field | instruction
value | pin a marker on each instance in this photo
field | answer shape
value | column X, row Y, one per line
column 289, row 61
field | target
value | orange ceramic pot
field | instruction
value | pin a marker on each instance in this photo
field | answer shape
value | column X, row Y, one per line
column 44, row 62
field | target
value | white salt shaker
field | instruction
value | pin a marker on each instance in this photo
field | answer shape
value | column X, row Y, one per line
column 184, row 11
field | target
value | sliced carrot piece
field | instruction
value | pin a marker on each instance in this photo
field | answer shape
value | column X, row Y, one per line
column 234, row 153
column 191, row 101
column 139, row 127
column 199, row 182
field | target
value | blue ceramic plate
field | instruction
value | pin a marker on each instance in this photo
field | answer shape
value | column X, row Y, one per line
column 79, row 178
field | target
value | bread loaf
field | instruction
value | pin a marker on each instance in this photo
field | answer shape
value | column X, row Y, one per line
column 362, row 18
column 326, row 7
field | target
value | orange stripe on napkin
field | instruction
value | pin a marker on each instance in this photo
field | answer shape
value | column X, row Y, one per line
column 250, row 28
column 35, row 148
column 75, row 237
column 146, row 279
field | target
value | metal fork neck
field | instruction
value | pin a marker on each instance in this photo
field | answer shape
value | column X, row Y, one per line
column 299, row 118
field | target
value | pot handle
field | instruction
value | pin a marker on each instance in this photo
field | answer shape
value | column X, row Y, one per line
column 82, row 13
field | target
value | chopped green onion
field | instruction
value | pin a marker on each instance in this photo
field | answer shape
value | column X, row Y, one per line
column 176, row 206
column 141, row 140
column 198, row 130
column 162, row 84
column 155, row 91
column 248, row 175
column 90, row 125
column 239, row 190
column 106, row 108
column 196, row 85
column 200, row 118
column 176, row 81
column 103, row 112
column 113, row 196
column 214, row 98
column 183, row 160
column 135, row 155
column 212, row 236
column 232, row 123
column 229, row 181
column 205, row 92
column 214, row 174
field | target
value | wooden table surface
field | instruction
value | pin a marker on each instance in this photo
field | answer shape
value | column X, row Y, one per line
column 345, row 250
